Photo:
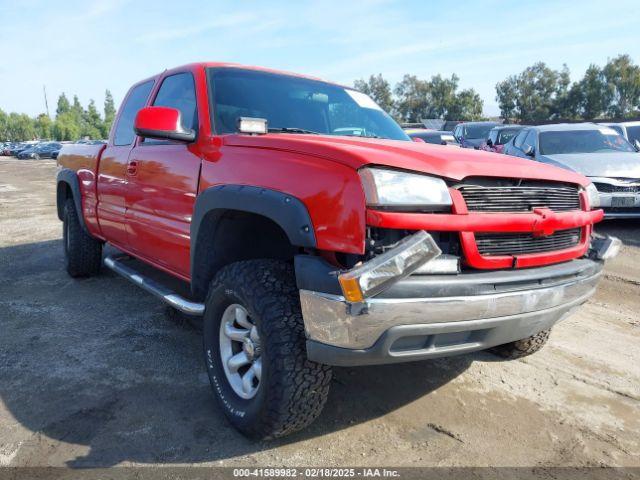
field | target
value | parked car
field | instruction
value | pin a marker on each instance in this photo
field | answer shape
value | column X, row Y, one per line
column 305, row 248
column 499, row 136
column 5, row 148
column 599, row 152
column 90, row 142
column 42, row 150
column 473, row 134
column 438, row 137
column 629, row 130
column 15, row 149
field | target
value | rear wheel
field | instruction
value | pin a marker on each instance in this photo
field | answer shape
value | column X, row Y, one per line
column 524, row 347
column 82, row 253
column 255, row 351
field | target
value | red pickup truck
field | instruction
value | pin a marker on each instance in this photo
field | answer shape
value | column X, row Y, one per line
column 311, row 231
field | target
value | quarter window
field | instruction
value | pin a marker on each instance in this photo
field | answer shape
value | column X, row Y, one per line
column 124, row 133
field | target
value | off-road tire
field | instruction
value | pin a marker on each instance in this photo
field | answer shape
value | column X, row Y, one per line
column 524, row 347
column 293, row 389
column 82, row 253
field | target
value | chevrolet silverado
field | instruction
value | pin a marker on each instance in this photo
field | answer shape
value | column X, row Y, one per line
column 312, row 232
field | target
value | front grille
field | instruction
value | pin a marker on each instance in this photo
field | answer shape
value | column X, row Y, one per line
column 512, row 198
column 608, row 188
column 518, row 243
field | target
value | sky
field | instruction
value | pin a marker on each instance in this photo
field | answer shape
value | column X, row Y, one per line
column 85, row 47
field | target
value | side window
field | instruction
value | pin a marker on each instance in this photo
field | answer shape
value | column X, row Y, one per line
column 178, row 91
column 124, row 133
column 530, row 141
column 520, row 138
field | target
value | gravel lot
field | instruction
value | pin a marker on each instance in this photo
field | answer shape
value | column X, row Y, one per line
column 95, row 373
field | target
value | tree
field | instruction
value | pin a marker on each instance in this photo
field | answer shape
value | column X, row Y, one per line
column 20, row 127
column 589, row 94
column 413, row 99
column 66, row 127
column 63, row 104
column 506, row 95
column 92, row 124
column 4, row 135
column 622, row 79
column 436, row 98
column 43, row 126
column 564, row 103
column 77, row 110
column 378, row 89
column 109, row 113
column 537, row 93
column 466, row 106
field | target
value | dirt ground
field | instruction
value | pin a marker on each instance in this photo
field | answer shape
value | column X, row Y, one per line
column 95, row 373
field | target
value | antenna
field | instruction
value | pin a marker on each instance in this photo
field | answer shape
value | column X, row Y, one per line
column 46, row 104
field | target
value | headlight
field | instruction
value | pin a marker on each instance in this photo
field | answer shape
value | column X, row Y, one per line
column 402, row 190
column 593, row 196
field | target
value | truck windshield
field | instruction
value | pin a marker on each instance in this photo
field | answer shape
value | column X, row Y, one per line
column 296, row 105
column 583, row 141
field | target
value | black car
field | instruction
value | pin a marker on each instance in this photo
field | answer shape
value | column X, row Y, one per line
column 473, row 134
column 41, row 150
column 438, row 137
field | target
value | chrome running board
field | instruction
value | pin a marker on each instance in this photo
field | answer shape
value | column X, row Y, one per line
column 165, row 294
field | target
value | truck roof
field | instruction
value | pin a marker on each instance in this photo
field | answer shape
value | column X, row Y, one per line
column 196, row 65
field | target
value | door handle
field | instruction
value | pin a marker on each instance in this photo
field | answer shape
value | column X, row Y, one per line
column 132, row 167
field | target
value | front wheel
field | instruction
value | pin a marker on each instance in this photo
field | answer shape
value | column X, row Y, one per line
column 255, row 351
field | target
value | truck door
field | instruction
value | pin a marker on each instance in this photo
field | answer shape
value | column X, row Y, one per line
column 163, row 183
column 112, row 170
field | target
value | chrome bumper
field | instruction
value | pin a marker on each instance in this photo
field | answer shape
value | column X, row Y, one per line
column 608, row 200
column 332, row 322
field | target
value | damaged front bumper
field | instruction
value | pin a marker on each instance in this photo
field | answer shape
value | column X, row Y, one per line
column 429, row 316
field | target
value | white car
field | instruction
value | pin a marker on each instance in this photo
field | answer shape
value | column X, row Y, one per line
column 629, row 130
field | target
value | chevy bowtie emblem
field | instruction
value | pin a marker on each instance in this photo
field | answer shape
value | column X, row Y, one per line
column 546, row 223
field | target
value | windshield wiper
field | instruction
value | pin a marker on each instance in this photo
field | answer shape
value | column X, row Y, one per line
column 292, row 130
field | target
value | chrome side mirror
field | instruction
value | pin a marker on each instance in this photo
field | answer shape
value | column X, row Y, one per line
column 529, row 151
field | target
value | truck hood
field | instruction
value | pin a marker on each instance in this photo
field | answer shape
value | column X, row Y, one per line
column 618, row 164
column 440, row 160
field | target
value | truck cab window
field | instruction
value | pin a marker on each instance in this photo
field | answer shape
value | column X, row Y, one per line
column 178, row 91
column 124, row 133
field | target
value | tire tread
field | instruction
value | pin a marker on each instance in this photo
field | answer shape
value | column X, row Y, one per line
column 83, row 258
column 524, row 347
column 299, row 387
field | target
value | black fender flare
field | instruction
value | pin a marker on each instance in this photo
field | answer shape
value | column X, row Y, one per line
column 69, row 177
column 285, row 210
